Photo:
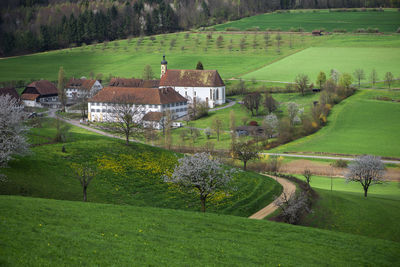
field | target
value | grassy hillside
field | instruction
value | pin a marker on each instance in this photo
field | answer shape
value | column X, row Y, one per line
column 360, row 124
column 128, row 175
column 345, row 209
column 387, row 21
column 344, row 59
column 49, row 232
column 127, row 58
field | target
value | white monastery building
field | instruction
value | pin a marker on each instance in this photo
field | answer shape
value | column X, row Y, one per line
column 194, row 85
column 152, row 101
column 81, row 88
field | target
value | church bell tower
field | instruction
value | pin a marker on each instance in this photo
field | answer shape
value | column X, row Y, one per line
column 163, row 66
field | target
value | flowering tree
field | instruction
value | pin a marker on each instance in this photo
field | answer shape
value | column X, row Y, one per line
column 271, row 124
column 12, row 140
column 367, row 170
column 202, row 174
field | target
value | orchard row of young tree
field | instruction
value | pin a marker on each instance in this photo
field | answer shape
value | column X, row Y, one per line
column 38, row 25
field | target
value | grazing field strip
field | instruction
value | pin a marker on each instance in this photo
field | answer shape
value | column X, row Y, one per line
column 387, row 21
column 358, row 125
column 344, row 59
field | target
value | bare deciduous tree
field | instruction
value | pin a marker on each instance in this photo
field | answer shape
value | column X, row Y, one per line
column 270, row 103
column 62, row 97
column 84, row 173
column 294, row 112
column 148, row 73
column 373, row 77
column 252, row 102
column 12, row 139
column 244, row 152
column 217, row 126
column 302, row 83
column 307, row 174
column 367, row 170
column 202, row 174
column 360, row 75
column 126, row 118
column 389, row 78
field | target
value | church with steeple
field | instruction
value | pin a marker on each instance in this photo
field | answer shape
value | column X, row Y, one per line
column 194, row 85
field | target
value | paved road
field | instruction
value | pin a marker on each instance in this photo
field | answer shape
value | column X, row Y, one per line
column 231, row 103
column 323, row 157
column 289, row 189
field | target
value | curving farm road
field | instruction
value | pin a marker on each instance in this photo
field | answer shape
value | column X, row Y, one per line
column 289, row 189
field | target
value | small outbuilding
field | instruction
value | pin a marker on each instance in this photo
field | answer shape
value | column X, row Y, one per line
column 316, row 33
column 249, row 130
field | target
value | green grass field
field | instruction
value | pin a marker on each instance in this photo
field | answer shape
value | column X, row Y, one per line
column 46, row 173
column 387, row 21
column 58, row 233
column 126, row 58
column 344, row 59
column 358, row 125
column 345, row 209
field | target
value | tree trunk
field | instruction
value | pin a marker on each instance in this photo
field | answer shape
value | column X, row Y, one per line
column 365, row 191
column 244, row 165
column 84, row 193
column 203, row 203
column 127, row 139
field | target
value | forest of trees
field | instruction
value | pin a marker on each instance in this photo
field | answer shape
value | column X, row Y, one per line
column 28, row 26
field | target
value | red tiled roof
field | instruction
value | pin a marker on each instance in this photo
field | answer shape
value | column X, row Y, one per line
column 192, row 78
column 134, row 95
column 43, row 87
column 153, row 116
column 122, row 82
column 81, row 84
column 9, row 91
column 29, row 96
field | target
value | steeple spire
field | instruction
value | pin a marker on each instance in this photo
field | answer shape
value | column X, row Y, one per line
column 163, row 66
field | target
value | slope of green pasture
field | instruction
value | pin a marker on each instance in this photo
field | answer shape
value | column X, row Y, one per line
column 45, row 232
column 358, row 125
column 47, row 173
column 345, row 209
column 344, row 59
column 125, row 58
column 387, row 21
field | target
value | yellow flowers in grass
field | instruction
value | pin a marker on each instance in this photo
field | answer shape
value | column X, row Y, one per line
column 158, row 164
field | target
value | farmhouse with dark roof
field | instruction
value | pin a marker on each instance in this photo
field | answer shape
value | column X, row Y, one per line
column 40, row 93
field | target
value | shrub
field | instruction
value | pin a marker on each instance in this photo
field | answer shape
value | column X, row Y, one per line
column 340, row 30
column 231, row 29
column 340, row 163
column 253, row 123
column 253, row 29
column 372, row 30
column 299, row 29
column 360, row 30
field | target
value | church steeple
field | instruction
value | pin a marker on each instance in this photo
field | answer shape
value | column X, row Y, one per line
column 163, row 66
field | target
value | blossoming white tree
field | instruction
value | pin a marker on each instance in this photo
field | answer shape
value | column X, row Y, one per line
column 202, row 174
column 367, row 170
column 12, row 140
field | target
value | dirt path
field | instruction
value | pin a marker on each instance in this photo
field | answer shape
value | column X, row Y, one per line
column 288, row 188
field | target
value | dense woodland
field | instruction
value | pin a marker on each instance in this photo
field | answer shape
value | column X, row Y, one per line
column 38, row 25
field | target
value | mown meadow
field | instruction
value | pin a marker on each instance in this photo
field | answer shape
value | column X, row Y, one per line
column 127, row 175
column 309, row 20
column 361, row 124
column 345, row 209
column 53, row 232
